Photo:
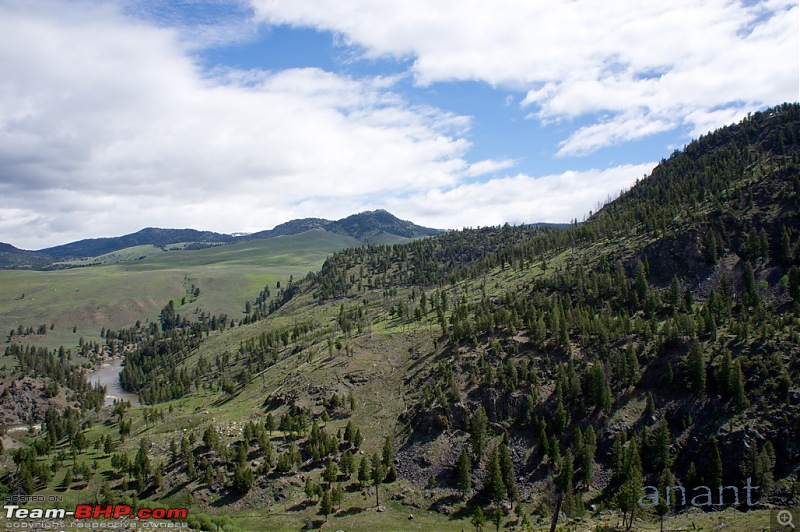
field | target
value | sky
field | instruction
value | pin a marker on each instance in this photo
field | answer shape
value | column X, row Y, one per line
column 238, row 115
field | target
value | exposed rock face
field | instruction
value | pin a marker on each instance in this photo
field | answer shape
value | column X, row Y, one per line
column 24, row 399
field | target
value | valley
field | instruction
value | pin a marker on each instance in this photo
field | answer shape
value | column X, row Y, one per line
column 509, row 376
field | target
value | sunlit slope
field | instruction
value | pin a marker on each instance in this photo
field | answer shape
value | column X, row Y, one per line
column 117, row 295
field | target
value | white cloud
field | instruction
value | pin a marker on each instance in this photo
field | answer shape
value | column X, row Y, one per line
column 518, row 199
column 107, row 126
column 673, row 63
column 622, row 128
column 489, row 166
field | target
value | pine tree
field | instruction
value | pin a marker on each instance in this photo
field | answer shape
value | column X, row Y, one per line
column 696, row 370
column 640, row 284
column 494, row 478
column 477, row 439
column 507, row 469
column 497, row 517
column 668, row 375
column 464, row 473
column 478, row 519
column 714, row 467
column 388, row 452
column 310, row 489
column 326, row 504
column 589, row 448
column 378, row 475
column 661, row 439
column 664, row 505
column 650, row 407
column 785, row 248
column 628, row 495
column 346, row 463
column 560, row 419
column 723, row 373
column 737, row 391
column 364, row 468
column 565, row 482
column 330, row 473
column 544, row 444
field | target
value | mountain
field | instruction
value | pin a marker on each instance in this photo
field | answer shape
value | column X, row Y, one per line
column 93, row 247
column 17, row 259
column 370, row 226
column 532, row 374
column 365, row 226
column 291, row 227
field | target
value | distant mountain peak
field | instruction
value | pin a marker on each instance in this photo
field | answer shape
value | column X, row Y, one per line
column 369, row 226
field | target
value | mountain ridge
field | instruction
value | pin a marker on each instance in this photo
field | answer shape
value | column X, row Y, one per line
column 362, row 226
column 525, row 373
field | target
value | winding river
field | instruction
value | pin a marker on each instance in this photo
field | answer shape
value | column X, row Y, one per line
column 108, row 375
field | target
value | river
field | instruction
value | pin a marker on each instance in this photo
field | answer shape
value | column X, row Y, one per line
column 108, row 376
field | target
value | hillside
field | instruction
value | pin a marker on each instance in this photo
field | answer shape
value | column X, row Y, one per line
column 151, row 236
column 79, row 302
column 14, row 258
column 512, row 372
column 366, row 227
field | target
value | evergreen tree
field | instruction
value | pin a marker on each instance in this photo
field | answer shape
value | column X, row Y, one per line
column 378, row 474
column 364, row 469
column 507, row 470
column 640, row 284
column 661, row 439
column 587, row 461
column 628, row 495
column 565, row 482
column 714, row 466
column 664, row 506
column 724, row 372
column 330, row 473
column 494, row 477
column 696, row 370
column 388, row 452
column 326, row 504
column 650, row 407
column 738, row 395
column 478, row 520
column 464, row 473
column 497, row 517
column 477, row 439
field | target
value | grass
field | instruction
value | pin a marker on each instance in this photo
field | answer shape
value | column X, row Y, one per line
column 116, row 295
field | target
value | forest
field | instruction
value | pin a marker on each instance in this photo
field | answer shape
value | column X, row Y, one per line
column 515, row 374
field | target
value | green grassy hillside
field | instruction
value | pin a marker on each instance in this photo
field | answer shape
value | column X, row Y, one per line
column 512, row 372
column 117, row 295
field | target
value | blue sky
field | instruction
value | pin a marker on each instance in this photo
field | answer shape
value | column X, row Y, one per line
column 237, row 115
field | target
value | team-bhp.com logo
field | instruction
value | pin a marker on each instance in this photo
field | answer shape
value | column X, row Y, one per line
column 95, row 511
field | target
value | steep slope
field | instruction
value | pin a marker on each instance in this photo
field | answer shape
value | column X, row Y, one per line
column 647, row 342
column 653, row 345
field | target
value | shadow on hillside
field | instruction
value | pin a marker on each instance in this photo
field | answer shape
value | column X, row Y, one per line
column 316, row 524
column 353, row 510
column 227, row 499
column 299, row 507
column 178, row 488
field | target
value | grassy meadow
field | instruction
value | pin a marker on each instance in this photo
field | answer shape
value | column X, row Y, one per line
column 115, row 295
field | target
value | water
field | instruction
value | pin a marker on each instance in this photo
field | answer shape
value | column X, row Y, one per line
column 108, row 376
